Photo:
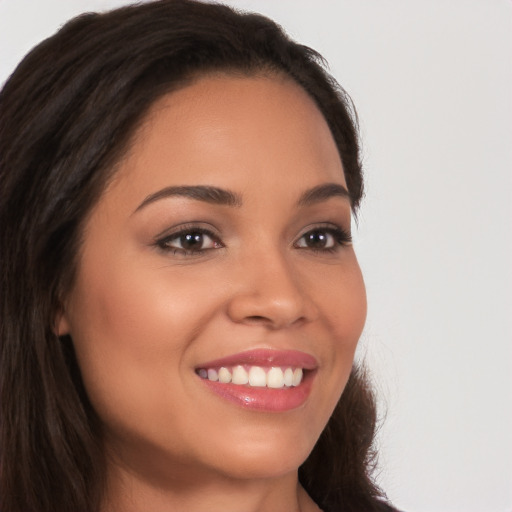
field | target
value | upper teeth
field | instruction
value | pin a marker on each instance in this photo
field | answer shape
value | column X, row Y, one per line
column 255, row 376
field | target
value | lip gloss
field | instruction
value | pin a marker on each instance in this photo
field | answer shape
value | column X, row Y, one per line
column 263, row 398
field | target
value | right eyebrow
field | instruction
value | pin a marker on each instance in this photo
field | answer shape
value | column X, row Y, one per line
column 204, row 193
column 323, row 193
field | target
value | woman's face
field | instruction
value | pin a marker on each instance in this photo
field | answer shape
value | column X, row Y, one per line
column 221, row 250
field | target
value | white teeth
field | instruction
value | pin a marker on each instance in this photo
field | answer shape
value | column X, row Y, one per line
column 275, row 378
column 257, row 376
column 240, row 376
column 297, row 376
column 288, row 377
column 212, row 374
column 224, row 375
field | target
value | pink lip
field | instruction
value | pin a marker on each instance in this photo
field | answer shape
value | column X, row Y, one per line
column 265, row 399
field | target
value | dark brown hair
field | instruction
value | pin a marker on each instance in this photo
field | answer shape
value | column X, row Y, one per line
column 68, row 113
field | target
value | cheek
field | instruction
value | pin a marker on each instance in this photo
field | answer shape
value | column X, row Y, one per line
column 344, row 307
column 344, row 304
column 136, row 307
column 131, row 329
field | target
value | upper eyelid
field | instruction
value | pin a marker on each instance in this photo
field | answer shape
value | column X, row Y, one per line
column 327, row 226
column 177, row 234
column 185, row 228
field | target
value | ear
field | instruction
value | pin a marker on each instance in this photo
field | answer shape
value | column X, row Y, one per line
column 61, row 325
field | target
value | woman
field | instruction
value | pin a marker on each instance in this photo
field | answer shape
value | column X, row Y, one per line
column 181, row 301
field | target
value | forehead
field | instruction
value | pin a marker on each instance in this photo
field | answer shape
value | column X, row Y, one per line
column 235, row 132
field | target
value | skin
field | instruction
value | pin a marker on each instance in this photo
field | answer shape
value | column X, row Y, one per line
column 142, row 318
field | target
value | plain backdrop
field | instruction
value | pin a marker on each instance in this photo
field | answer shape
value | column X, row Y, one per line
column 432, row 82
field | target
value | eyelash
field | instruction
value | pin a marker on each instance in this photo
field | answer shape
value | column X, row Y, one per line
column 340, row 238
column 163, row 243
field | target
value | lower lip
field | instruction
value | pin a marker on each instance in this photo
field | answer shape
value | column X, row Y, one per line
column 264, row 399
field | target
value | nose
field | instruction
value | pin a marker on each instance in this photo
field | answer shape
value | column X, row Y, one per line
column 269, row 292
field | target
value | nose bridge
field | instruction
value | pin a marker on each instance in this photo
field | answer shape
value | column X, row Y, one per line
column 270, row 290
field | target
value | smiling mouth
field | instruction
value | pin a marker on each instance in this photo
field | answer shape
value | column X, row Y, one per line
column 254, row 376
column 261, row 379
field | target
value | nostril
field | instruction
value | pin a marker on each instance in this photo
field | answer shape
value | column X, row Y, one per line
column 272, row 323
column 257, row 318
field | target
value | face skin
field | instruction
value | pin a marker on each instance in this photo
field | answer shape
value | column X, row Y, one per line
column 143, row 314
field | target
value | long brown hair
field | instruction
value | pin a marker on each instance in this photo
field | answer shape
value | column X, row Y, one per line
column 67, row 115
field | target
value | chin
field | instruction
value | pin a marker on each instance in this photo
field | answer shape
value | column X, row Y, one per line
column 259, row 466
column 265, row 454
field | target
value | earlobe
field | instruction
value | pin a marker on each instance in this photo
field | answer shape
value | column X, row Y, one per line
column 61, row 325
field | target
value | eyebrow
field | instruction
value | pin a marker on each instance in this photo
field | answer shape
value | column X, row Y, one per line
column 323, row 193
column 219, row 196
column 208, row 194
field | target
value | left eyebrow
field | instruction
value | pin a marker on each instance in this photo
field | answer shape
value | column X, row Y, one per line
column 323, row 193
column 204, row 193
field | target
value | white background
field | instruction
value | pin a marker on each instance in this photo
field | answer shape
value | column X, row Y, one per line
column 432, row 81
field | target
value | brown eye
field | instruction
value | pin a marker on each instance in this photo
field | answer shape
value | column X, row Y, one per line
column 317, row 239
column 324, row 239
column 190, row 241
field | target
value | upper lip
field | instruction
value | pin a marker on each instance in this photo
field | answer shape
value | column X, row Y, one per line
column 266, row 357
